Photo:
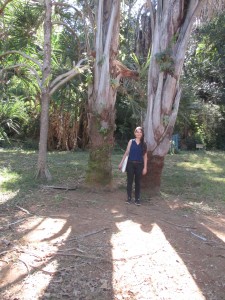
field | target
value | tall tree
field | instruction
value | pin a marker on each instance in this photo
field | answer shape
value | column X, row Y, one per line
column 48, row 87
column 102, row 94
column 45, row 93
column 171, row 26
column 40, row 70
column 107, row 72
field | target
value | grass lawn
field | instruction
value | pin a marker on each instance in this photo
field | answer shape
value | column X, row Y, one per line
column 194, row 176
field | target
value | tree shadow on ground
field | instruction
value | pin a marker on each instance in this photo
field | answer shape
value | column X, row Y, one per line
column 94, row 246
column 86, row 245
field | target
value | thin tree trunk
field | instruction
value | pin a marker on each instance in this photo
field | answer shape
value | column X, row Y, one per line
column 42, row 171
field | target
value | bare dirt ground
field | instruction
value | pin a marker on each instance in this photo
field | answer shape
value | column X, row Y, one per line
column 78, row 244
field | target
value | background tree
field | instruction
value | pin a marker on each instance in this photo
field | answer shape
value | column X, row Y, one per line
column 134, row 53
column 30, row 59
column 201, row 111
column 42, row 170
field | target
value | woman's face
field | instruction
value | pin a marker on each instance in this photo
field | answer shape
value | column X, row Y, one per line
column 138, row 133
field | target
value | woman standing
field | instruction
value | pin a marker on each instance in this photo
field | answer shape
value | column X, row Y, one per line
column 136, row 165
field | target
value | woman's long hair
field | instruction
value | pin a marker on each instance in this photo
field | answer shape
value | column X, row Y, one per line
column 143, row 143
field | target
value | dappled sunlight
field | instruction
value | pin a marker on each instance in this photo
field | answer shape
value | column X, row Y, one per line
column 217, row 179
column 36, row 255
column 216, row 226
column 147, row 264
column 204, row 164
column 22, row 268
column 117, row 214
column 201, row 206
column 7, row 196
column 46, row 229
column 219, row 234
column 7, row 176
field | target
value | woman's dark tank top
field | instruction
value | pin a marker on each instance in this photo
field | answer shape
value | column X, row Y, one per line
column 136, row 152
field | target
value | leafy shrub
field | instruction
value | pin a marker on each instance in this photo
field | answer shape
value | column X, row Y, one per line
column 12, row 116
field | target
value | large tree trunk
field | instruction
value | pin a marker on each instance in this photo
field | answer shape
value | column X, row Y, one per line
column 152, row 181
column 171, row 26
column 102, row 140
column 102, row 94
column 42, row 171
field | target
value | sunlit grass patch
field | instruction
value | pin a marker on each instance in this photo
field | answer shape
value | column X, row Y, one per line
column 196, row 176
column 6, row 176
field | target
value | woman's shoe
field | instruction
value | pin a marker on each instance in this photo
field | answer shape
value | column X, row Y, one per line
column 137, row 202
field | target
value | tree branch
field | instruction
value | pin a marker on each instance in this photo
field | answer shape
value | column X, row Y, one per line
column 62, row 79
column 4, row 6
column 152, row 16
column 22, row 54
column 98, row 45
column 35, row 73
column 104, row 78
column 194, row 9
column 69, row 6
column 62, row 82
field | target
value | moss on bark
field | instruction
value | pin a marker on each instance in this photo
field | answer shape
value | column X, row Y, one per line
column 99, row 166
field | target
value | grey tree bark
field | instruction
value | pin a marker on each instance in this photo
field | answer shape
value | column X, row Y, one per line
column 171, row 25
column 102, row 94
column 42, row 171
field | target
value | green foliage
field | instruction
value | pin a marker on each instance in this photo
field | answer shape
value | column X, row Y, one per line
column 205, row 61
column 199, row 135
column 23, row 25
column 114, row 83
column 201, row 114
column 165, row 61
column 22, row 21
column 103, row 131
column 141, row 67
column 12, row 116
